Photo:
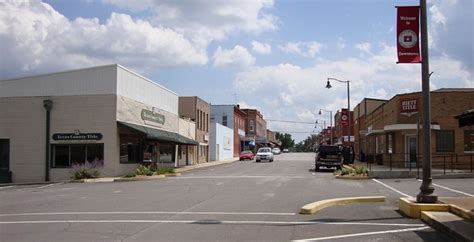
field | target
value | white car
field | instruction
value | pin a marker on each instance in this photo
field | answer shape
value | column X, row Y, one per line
column 276, row 151
column 264, row 153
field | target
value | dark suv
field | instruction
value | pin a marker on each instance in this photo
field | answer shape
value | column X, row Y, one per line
column 328, row 156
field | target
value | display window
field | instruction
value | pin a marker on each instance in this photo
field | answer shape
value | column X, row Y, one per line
column 67, row 155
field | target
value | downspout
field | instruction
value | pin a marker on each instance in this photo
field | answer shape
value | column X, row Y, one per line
column 48, row 105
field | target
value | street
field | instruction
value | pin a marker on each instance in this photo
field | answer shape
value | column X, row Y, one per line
column 240, row 201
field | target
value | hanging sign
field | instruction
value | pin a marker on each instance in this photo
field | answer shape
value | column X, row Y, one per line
column 409, row 107
column 408, row 48
column 148, row 115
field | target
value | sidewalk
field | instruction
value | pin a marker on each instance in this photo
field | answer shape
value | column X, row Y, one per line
column 115, row 179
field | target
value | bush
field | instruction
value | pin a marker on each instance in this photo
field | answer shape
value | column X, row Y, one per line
column 164, row 170
column 131, row 174
column 361, row 170
column 345, row 171
column 87, row 170
column 143, row 170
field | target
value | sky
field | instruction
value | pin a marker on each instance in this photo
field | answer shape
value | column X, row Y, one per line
column 271, row 55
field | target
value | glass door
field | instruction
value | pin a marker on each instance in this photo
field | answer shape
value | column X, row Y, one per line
column 411, row 151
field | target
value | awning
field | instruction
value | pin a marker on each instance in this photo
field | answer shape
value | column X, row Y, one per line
column 396, row 127
column 160, row 135
column 466, row 118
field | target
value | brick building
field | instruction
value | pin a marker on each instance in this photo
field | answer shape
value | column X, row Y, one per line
column 256, row 129
column 394, row 135
column 340, row 128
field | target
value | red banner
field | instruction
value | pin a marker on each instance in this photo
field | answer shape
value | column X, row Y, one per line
column 408, row 48
column 344, row 117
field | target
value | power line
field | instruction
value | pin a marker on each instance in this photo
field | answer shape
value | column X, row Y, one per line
column 288, row 121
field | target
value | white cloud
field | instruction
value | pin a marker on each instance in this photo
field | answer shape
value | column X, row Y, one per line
column 306, row 49
column 261, row 48
column 37, row 38
column 237, row 57
column 364, row 47
column 206, row 20
column 451, row 30
column 341, row 43
column 300, row 92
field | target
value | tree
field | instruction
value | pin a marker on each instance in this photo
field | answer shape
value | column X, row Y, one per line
column 286, row 141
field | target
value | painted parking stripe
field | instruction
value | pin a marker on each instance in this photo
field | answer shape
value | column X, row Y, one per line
column 237, row 177
column 391, row 188
column 213, row 222
column 452, row 190
column 147, row 212
column 45, row 186
column 6, row 187
column 363, row 234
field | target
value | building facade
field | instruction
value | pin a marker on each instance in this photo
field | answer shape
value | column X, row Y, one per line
column 256, row 130
column 232, row 117
column 198, row 110
column 341, row 134
column 106, row 115
column 221, row 143
column 366, row 106
column 394, row 134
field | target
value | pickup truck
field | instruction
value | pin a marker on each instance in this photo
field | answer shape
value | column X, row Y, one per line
column 328, row 156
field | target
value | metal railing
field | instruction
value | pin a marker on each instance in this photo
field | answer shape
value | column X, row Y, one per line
column 448, row 163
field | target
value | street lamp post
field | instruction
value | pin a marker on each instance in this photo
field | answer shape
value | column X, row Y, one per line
column 426, row 194
column 330, row 116
column 328, row 85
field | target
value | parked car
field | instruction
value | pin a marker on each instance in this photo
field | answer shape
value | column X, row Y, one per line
column 276, row 151
column 285, row 151
column 264, row 153
column 328, row 156
column 244, row 155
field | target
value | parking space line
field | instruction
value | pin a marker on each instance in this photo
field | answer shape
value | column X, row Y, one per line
column 147, row 212
column 214, row 222
column 45, row 186
column 237, row 177
column 362, row 234
column 391, row 188
column 452, row 190
column 6, row 187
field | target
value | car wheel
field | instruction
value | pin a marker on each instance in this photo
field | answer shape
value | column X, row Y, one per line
column 271, row 160
column 338, row 167
column 317, row 168
column 257, row 160
column 240, row 159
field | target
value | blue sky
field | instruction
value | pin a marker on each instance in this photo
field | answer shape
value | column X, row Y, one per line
column 275, row 55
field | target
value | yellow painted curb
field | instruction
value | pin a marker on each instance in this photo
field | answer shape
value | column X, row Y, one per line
column 352, row 177
column 314, row 207
column 461, row 212
column 413, row 210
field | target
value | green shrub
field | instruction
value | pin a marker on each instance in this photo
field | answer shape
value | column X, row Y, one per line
column 361, row 170
column 131, row 174
column 87, row 170
column 345, row 171
column 165, row 170
column 143, row 171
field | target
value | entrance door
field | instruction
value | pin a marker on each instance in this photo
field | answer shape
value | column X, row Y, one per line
column 4, row 154
column 411, row 151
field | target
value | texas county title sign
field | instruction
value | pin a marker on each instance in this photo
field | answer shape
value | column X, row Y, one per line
column 77, row 136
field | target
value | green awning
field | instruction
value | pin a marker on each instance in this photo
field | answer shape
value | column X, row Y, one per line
column 160, row 135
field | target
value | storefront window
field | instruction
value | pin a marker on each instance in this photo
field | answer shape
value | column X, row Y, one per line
column 70, row 154
column 130, row 148
column 390, row 143
column 469, row 141
column 445, row 141
column 167, row 153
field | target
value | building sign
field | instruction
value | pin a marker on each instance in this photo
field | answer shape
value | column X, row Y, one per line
column 226, row 143
column 148, row 115
column 77, row 136
column 409, row 107
column 408, row 48
column 344, row 117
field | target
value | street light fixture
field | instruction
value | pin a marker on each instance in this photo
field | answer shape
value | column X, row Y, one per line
column 330, row 116
column 328, row 85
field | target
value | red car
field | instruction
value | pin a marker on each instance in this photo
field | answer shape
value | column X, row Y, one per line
column 246, row 155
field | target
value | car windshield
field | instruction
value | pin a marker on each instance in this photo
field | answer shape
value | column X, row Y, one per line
column 264, row 150
column 328, row 149
column 247, row 152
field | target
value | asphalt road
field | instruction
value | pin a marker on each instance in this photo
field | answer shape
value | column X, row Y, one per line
column 241, row 201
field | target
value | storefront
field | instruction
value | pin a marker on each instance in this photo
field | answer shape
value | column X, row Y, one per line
column 394, row 130
column 107, row 116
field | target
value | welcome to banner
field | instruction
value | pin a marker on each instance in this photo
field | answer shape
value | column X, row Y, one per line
column 408, row 22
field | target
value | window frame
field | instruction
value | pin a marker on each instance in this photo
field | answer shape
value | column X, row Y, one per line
column 439, row 144
column 53, row 152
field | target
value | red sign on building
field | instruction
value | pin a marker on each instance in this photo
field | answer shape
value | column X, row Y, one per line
column 408, row 48
column 344, row 117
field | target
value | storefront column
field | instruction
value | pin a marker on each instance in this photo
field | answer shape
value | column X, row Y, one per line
column 176, row 156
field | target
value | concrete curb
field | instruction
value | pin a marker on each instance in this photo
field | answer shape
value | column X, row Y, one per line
column 314, row 207
column 139, row 178
column 455, row 227
column 413, row 210
column 461, row 212
column 29, row 183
